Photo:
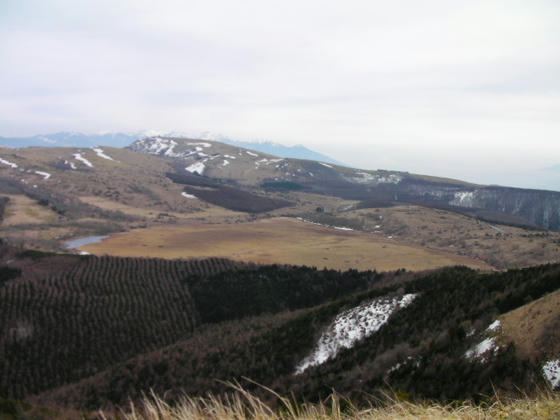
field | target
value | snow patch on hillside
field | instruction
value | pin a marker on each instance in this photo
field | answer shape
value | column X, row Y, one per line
column 351, row 326
column 483, row 349
column 325, row 164
column 205, row 145
column 463, row 199
column 225, row 162
column 166, row 147
column 198, row 167
column 45, row 175
column 78, row 156
column 157, row 145
column 323, row 225
column 551, row 371
column 495, row 326
column 230, row 157
column 101, row 154
column 251, row 153
column 71, row 164
column 184, row 194
column 10, row 164
column 375, row 179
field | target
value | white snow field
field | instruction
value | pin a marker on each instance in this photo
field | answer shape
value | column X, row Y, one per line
column 351, row 326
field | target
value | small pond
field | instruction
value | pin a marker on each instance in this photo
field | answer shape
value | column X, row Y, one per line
column 87, row 240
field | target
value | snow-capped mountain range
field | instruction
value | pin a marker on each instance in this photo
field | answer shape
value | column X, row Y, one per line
column 120, row 139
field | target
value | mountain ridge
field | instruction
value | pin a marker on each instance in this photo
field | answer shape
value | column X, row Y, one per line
column 213, row 159
column 122, row 139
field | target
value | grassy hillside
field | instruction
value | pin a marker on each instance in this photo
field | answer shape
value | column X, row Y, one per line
column 54, row 195
column 535, row 327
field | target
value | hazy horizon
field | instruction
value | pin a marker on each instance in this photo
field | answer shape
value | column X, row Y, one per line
column 447, row 88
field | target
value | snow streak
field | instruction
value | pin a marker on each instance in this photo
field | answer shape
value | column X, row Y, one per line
column 10, row 164
column 45, row 175
column 78, row 156
column 101, row 154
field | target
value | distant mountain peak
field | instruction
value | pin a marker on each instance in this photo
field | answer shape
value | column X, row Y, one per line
column 276, row 149
column 120, row 139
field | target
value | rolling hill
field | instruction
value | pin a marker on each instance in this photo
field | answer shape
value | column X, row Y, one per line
column 520, row 207
column 52, row 195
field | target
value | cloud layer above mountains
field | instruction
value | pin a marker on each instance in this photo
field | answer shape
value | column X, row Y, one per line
column 463, row 89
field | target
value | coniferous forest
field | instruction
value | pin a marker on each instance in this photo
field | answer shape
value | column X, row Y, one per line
column 89, row 331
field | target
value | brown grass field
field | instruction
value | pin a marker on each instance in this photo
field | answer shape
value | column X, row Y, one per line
column 23, row 210
column 282, row 241
column 501, row 246
column 208, row 212
column 244, row 406
column 535, row 327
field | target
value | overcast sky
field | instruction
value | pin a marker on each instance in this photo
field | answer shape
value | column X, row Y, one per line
column 465, row 89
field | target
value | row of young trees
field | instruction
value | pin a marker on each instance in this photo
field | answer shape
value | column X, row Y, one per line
column 69, row 324
column 3, row 203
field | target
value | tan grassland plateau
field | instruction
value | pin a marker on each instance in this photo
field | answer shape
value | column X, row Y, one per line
column 282, row 241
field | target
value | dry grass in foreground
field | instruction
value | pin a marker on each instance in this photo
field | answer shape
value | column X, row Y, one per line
column 243, row 406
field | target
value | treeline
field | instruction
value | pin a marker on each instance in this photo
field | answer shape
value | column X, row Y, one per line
column 229, row 197
column 272, row 289
column 3, row 203
column 8, row 273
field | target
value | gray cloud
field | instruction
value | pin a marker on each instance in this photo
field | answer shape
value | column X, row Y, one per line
column 453, row 88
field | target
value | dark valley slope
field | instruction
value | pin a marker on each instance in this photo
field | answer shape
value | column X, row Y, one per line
column 90, row 332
